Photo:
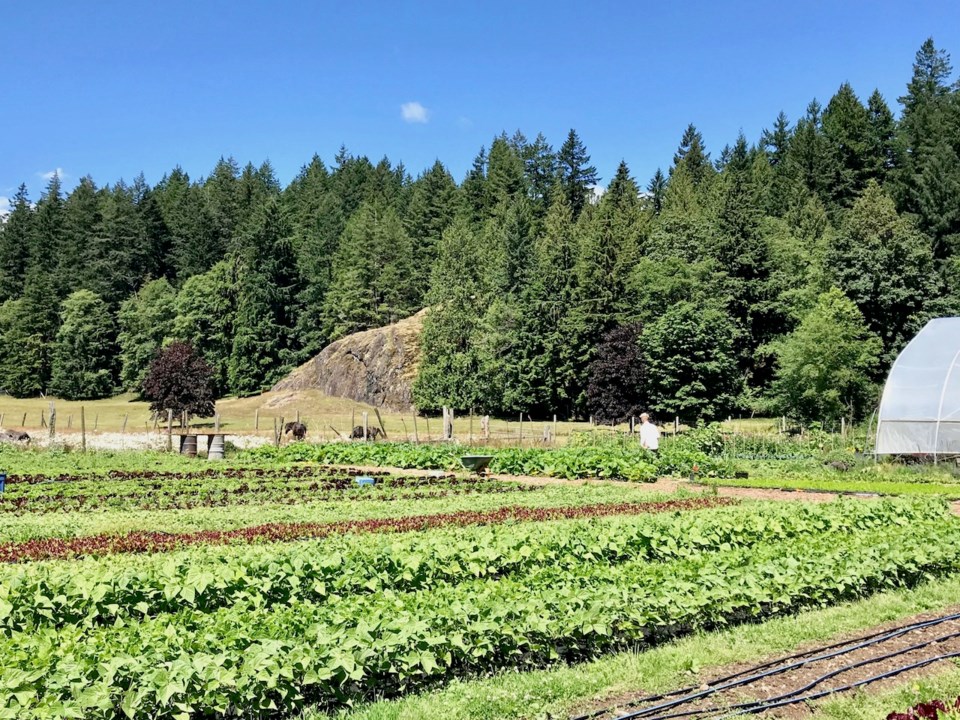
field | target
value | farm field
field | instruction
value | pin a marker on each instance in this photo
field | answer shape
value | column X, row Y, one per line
column 274, row 585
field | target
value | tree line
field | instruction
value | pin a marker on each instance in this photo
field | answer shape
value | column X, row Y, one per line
column 780, row 275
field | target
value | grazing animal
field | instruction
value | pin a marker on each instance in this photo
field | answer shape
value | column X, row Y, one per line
column 372, row 433
column 298, row 429
column 14, row 436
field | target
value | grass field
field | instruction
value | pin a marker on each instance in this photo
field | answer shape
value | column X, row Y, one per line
column 324, row 416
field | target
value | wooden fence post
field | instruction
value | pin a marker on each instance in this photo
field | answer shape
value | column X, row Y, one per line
column 383, row 428
column 43, row 420
column 554, row 429
column 216, row 422
column 83, row 431
column 427, row 420
column 520, row 432
column 485, row 427
column 256, row 419
column 471, row 427
column 169, row 429
column 24, row 423
column 366, row 433
column 53, row 422
column 123, row 428
column 406, row 435
column 96, row 420
column 416, row 433
column 69, row 421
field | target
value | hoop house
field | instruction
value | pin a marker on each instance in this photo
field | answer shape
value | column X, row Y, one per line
column 920, row 408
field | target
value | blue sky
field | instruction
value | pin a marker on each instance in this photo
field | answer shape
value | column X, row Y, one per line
column 114, row 88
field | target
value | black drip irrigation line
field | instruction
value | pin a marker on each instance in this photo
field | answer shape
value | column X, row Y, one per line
column 790, row 698
column 851, row 686
column 756, row 672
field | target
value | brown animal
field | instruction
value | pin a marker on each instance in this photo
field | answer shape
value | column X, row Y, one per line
column 298, row 429
column 372, row 433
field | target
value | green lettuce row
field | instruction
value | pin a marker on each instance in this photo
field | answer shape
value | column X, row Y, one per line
column 97, row 591
column 259, row 660
column 625, row 463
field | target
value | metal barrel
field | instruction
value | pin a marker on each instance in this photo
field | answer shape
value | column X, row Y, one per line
column 215, row 451
column 188, row 445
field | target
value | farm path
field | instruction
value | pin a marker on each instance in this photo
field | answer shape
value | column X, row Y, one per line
column 886, row 654
column 663, row 485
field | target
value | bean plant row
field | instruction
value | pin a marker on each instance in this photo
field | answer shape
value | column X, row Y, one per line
column 248, row 659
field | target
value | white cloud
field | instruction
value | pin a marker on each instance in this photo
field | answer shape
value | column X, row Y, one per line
column 5, row 206
column 59, row 172
column 414, row 112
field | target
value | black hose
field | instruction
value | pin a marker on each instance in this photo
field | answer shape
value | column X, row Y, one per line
column 851, row 686
column 754, row 674
column 734, row 676
column 748, row 707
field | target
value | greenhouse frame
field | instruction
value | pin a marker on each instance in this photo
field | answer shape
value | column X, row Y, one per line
column 920, row 408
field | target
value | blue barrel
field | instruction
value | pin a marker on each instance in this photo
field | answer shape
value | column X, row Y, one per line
column 365, row 480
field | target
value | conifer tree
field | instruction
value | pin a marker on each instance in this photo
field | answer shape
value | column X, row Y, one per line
column 371, row 274
column 263, row 324
column 16, row 235
column 693, row 156
column 577, row 176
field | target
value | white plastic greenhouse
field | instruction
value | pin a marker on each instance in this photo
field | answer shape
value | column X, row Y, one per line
column 920, row 408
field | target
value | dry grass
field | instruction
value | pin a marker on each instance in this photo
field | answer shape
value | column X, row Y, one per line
column 325, row 417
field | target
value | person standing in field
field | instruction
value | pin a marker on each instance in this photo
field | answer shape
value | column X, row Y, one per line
column 649, row 434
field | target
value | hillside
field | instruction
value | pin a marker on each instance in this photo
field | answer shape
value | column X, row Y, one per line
column 376, row 366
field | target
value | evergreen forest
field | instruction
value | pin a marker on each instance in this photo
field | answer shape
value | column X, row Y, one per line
column 779, row 274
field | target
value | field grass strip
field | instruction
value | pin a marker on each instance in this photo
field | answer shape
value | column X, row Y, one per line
column 152, row 542
column 947, row 491
column 566, row 690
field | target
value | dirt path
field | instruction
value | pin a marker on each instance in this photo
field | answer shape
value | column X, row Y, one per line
column 936, row 640
column 663, row 485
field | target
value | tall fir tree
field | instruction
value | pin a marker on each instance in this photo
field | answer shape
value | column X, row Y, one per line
column 577, row 176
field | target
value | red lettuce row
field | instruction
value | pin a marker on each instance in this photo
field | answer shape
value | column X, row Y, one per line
column 152, row 542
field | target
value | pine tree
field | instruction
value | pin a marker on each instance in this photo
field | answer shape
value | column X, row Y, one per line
column 84, row 353
column 263, row 325
column 449, row 367
column 657, row 188
column 434, row 201
column 847, row 131
column 809, row 154
column 16, row 233
column 577, row 176
column 82, row 219
column 371, row 274
column 882, row 154
column 540, row 168
column 694, row 157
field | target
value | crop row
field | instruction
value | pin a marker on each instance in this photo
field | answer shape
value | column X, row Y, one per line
column 621, row 462
column 148, row 498
column 218, row 473
column 151, row 542
column 259, row 662
column 100, row 591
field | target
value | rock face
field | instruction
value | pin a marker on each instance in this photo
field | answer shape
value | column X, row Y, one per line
column 376, row 367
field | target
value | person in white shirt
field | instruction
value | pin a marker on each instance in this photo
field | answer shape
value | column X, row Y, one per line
column 649, row 434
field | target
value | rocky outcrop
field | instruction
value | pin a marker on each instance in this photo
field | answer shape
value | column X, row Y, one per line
column 376, row 367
